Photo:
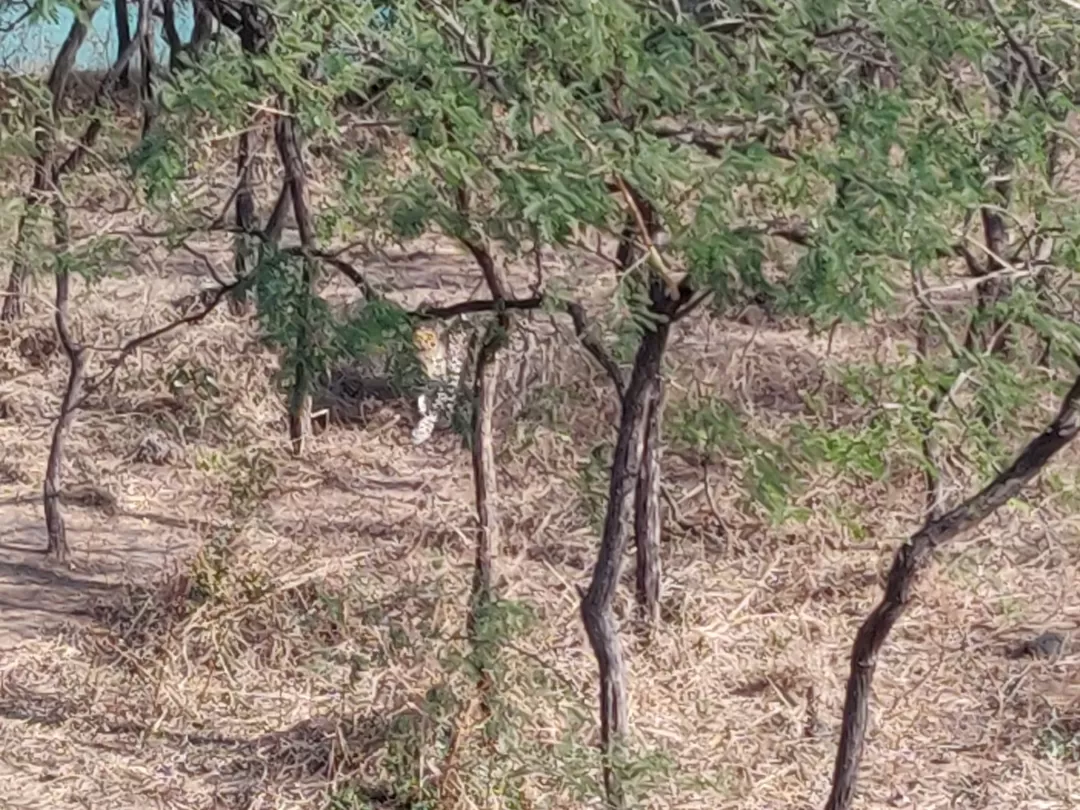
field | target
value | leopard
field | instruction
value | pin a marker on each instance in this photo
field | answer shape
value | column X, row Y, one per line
column 445, row 354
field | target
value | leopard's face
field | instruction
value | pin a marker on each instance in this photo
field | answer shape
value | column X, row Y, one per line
column 425, row 340
column 428, row 347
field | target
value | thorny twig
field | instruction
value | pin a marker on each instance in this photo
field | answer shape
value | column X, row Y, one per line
column 595, row 348
column 127, row 349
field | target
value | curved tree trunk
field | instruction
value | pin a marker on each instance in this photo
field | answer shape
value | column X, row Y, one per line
column 76, row 356
column 639, row 399
column 909, row 561
column 54, row 174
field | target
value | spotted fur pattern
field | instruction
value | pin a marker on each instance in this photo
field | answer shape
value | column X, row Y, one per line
column 443, row 352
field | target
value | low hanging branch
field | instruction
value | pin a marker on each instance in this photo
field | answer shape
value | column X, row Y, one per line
column 909, row 561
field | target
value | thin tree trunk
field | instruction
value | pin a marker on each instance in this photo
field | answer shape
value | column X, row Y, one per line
column 19, row 276
column 203, row 27
column 245, row 246
column 123, row 37
column 933, row 486
column 276, row 223
column 909, row 561
column 300, row 390
column 995, row 336
column 76, row 357
column 53, row 174
column 146, row 76
column 648, row 517
column 647, row 514
column 172, row 36
column 488, row 531
column 597, row 602
column 488, row 534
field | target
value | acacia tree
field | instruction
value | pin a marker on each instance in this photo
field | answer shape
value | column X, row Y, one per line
column 838, row 143
column 698, row 142
column 52, row 163
column 844, row 139
column 1007, row 139
column 547, row 145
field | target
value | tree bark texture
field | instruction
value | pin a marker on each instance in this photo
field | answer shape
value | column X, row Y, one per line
column 203, row 27
column 300, row 390
column 597, row 602
column 172, row 36
column 245, row 248
column 994, row 335
column 123, row 37
column 76, row 357
column 647, row 515
column 910, row 559
column 488, row 534
column 246, row 245
column 639, row 227
column 146, row 76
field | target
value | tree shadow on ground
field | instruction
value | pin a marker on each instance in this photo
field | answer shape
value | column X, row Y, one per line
column 35, row 593
column 305, row 761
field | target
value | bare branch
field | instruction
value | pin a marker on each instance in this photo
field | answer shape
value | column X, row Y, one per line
column 595, row 348
column 132, row 345
column 104, row 90
column 469, row 307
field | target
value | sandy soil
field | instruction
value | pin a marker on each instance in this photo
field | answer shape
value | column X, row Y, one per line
column 316, row 659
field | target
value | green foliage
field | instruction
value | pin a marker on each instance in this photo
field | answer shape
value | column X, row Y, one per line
column 712, row 431
column 808, row 156
column 1060, row 740
column 159, row 162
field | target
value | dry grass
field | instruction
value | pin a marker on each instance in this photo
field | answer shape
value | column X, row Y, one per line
column 255, row 631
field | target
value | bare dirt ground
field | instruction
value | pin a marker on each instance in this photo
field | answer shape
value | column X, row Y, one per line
column 191, row 658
